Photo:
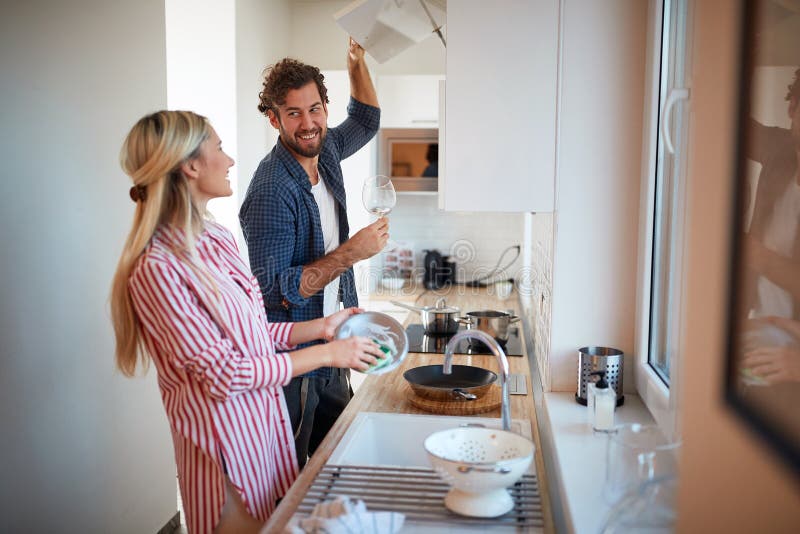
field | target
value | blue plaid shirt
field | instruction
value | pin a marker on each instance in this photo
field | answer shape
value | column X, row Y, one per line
column 281, row 224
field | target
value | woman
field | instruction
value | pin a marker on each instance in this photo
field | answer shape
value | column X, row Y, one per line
column 183, row 296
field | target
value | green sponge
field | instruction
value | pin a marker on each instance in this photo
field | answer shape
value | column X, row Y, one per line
column 382, row 362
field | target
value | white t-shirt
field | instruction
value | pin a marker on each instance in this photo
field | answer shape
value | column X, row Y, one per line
column 780, row 237
column 330, row 235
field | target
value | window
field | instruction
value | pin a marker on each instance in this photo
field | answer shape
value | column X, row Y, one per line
column 664, row 171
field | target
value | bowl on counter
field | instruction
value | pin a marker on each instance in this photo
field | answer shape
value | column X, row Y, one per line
column 393, row 283
column 479, row 464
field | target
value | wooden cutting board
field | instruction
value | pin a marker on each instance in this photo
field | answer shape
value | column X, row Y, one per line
column 487, row 403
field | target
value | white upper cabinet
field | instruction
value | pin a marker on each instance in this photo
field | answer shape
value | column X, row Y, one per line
column 409, row 101
column 500, row 100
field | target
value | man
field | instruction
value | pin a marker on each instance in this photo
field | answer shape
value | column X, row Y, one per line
column 294, row 220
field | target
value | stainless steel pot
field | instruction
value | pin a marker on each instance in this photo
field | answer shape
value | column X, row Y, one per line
column 438, row 320
column 465, row 383
column 494, row 323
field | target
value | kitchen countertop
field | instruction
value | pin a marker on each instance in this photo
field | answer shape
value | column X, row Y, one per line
column 388, row 393
column 580, row 457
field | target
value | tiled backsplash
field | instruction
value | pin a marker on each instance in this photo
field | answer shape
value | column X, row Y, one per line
column 475, row 241
column 535, row 287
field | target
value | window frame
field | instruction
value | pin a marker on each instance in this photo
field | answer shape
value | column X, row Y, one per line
column 660, row 398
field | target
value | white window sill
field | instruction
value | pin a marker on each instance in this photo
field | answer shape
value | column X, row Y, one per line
column 580, row 457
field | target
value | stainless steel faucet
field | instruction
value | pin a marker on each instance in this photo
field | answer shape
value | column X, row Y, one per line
column 502, row 362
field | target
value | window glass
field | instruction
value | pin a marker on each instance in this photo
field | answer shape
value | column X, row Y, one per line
column 668, row 200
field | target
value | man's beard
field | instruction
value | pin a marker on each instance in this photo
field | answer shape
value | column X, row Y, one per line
column 305, row 151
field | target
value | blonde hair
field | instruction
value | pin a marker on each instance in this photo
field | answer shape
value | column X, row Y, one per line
column 151, row 155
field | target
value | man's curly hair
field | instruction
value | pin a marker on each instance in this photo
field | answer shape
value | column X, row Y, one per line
column 794, row 88
column 283, row 76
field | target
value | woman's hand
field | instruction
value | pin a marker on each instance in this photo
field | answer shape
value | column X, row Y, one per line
column 332, row 322
column 774, row 364
column 355, row 352
column 769, row 332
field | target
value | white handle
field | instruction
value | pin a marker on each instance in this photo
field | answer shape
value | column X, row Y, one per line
column 672, row 98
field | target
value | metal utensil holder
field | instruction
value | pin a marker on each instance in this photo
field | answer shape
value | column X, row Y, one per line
column 591, row 359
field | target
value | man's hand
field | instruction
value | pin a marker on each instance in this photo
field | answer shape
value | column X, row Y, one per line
column 364, row 244
column 332, row 321
column 371, row 239
column 355, row 53
column 361, row 87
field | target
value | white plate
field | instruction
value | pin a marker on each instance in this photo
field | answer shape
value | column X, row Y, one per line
column 382, row 328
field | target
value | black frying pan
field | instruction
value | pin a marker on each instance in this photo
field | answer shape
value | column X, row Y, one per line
column 465, row 383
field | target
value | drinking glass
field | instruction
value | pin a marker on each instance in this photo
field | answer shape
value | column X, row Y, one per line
column 637, row 454
column 379, row 198
column 650, row 509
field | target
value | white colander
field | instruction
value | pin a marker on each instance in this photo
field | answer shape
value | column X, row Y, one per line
column 479, row 463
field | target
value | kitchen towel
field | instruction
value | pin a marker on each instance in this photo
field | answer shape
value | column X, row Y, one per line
column 342, row 515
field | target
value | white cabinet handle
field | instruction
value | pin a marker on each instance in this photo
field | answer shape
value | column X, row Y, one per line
column 672, row 98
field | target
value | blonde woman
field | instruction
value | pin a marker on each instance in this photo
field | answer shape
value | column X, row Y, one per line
column 182, row 297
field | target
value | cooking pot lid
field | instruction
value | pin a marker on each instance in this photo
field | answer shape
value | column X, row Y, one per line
column 446, row 309
column 442, row 307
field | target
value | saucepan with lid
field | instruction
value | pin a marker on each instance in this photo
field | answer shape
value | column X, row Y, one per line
column 437, row 320
column 495, row 323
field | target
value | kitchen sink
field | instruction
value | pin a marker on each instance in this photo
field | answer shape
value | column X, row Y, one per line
column 393, row 439
column 382, row 461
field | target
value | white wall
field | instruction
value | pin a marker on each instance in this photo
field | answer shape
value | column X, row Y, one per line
column 201, row 77
column 724, row 465
column 475, row 241
column 597, row 199
column 262, row 37
column 83, row 449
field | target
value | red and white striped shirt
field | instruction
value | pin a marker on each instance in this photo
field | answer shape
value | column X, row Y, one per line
column 220, row 383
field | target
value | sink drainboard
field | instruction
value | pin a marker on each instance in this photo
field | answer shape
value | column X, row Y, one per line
column 419, row 494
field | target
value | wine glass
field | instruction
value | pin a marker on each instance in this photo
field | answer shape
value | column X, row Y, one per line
column 379, row 198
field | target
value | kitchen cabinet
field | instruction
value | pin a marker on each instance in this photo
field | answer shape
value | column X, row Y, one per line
column 501, row 104
column 409, row 101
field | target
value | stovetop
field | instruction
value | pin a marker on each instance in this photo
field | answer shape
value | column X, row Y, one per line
column 418, row 341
